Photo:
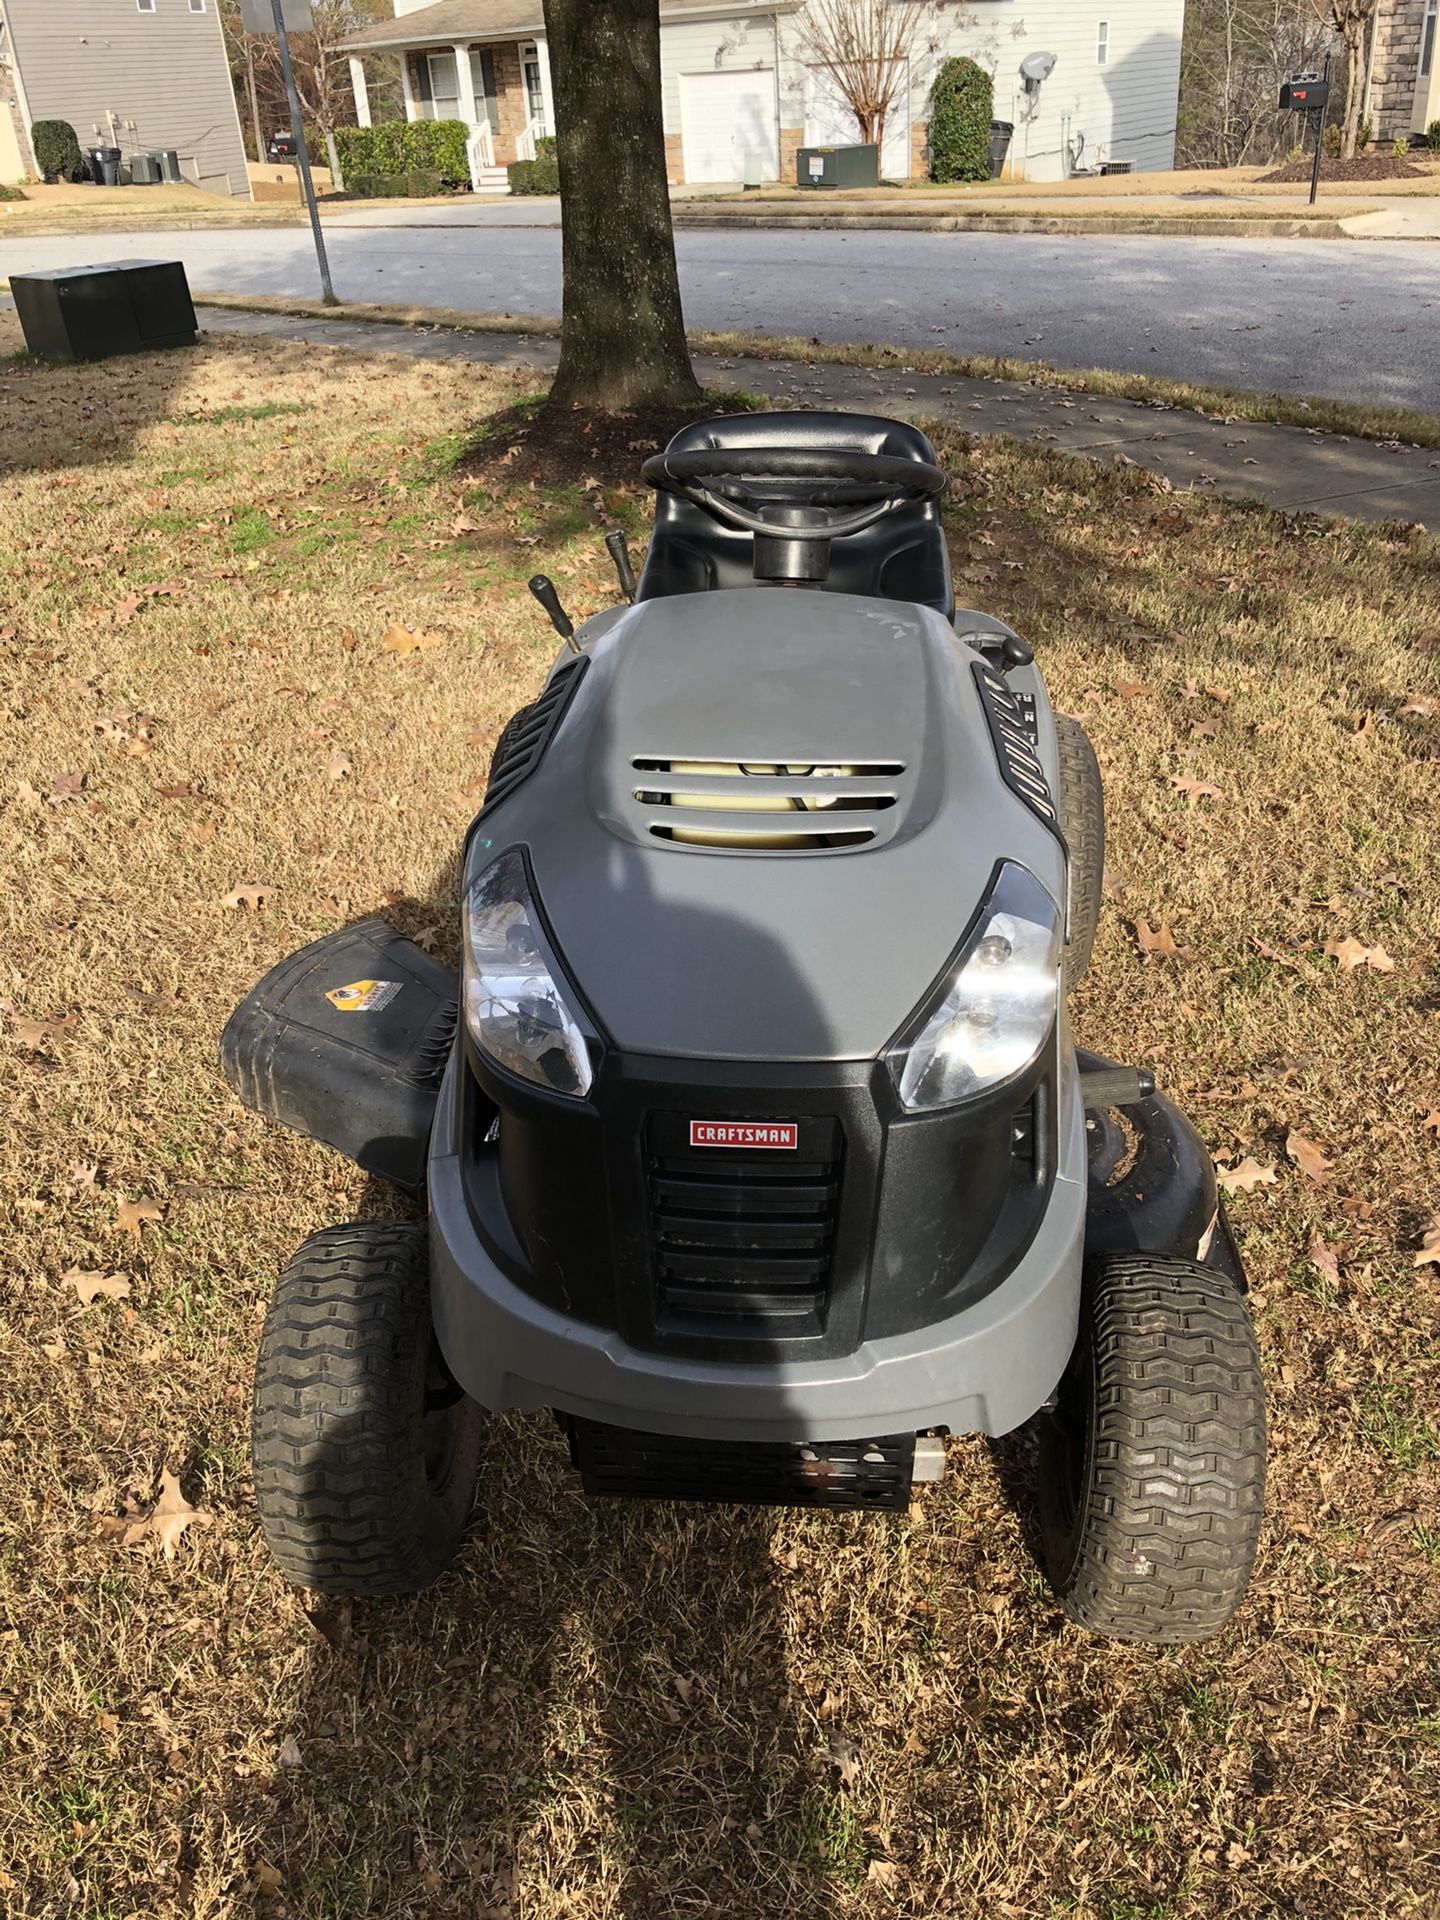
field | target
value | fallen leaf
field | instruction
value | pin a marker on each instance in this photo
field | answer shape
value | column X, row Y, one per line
column 1322, row 1258
column 1364, row 731
column 1196, row 789
column 844, row 1754
column 1431, row 1122
column 268, row 1883
column 1424, row 704
column 290, row 1754
column 131, row 1215
column 1429, row 1254
column 1353, row 953
column 253, row 894
column 1308, row 1158
column 402, row 641
column 34, row 1033
column 340, row 765
column 881, row 1873
column 1245, row 1177
column 1203, row 729
column 67, row 786
column 165, row 1522
column 90, row 1287
column 1159, row 940
column 1131, row 689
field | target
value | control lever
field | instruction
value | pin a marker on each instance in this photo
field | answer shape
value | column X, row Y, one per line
column 1016, row 652
column 620, row 554
column 543, row 588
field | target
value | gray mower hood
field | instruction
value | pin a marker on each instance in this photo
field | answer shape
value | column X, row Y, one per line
column 821, row 941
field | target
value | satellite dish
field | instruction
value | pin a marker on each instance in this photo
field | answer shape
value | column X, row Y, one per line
column 1036, row 67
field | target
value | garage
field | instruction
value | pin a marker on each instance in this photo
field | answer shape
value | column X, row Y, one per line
column 724, row 119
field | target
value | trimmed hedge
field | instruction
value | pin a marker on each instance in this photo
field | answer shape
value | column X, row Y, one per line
column 534, row 176
column 1432, row 135
column 57, row 151
column 423, row 184
column 961, row 108
column 397, row 147
column 11, row 193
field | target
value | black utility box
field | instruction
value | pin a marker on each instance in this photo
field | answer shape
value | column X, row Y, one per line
column 1304, row 94
column 89, row 313
column 837, row 167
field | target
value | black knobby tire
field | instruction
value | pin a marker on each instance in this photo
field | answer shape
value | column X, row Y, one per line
column 1082, row 821
column 365, row 1451
column 1152, row 1464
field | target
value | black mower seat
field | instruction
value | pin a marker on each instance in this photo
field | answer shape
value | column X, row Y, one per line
column 903, row 557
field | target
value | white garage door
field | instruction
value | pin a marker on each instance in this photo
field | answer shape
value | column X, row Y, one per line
column 830, row 122
column 725, row 117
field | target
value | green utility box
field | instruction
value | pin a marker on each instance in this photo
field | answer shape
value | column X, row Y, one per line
column 837, row 167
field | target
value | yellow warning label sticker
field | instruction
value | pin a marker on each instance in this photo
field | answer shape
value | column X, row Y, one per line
column 364, row 996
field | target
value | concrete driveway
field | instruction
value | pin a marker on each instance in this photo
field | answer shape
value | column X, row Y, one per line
column 1359, row 321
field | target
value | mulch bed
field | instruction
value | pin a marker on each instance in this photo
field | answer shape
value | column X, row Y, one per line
column 1365, row 166
column 569, row 446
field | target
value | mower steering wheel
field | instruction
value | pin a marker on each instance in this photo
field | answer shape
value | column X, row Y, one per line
column 723, row 482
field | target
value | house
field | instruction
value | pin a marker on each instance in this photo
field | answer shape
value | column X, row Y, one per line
column 145, row 76
column 1402, row 87
column 742, row 93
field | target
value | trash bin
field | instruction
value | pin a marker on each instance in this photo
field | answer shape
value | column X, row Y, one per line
column 105, row 165
column 168, row 161
column 1002, row 132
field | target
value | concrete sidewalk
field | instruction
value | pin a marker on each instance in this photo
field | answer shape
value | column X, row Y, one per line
column 1293, row 468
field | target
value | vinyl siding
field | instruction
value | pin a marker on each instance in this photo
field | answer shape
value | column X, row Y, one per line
column 164, row 71
column 709, row 46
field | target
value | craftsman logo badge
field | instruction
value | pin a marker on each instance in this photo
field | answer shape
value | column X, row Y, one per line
column 773, row 1135
column 364, row 996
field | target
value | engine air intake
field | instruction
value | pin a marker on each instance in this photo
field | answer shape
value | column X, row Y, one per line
column 789, row 807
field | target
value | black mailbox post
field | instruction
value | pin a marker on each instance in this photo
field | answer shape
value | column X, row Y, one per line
column 89, row 313
column 1309, row 93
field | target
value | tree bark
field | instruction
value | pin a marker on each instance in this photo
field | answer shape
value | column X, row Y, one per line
column 622, row 341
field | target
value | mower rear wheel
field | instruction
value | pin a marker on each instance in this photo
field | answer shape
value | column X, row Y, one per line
column 1082, row 821
column 1152, row 1463
column 365, row 1450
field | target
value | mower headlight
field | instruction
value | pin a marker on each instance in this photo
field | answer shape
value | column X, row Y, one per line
column 997, row 1007
column 514, row 1007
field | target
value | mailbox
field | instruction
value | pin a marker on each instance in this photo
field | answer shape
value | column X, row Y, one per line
column 284, row 146
column 1306, row 93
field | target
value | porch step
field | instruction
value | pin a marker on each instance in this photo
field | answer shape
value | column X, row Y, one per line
column 493, row 180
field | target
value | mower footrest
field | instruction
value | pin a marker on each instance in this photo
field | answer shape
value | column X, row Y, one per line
column 865, row 1474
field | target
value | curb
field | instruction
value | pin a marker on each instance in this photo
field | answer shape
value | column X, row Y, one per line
column 1244, row 229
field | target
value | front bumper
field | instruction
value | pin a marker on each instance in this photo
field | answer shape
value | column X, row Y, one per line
column 986, row 1369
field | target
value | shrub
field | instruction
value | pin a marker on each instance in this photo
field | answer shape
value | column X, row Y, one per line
column 10, row 193
column 1401, row 149
column 961, row 105
column 57, row 151
column 1297, row 152
column 396, row 147
column 1432, row 136
column 1333, row 140
column 1364, row 132
column 422, row 183
column 535, row 176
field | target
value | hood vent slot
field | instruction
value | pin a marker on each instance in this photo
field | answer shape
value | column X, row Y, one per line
column 766, row 806
column 533, row 729
column 1020, row 766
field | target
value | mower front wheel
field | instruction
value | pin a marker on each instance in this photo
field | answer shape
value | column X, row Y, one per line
column 365, row 1450
column 1082, row 821
column 1152, row 1462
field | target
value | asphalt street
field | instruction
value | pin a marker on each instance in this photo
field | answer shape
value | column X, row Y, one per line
column 1354, row 319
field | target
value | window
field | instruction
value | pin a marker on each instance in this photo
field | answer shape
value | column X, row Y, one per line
column 145, row 6
column 1102, row 44
column 1427, row 39
column 444, row 101
column 197, row 6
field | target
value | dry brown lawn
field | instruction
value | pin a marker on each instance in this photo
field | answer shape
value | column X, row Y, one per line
column 637, row 1712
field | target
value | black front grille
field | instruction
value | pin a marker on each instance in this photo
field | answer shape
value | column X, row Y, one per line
column 743, row 1235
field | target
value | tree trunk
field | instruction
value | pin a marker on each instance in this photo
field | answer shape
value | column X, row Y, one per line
column 622, row 342
column 1354, row 85
column 332, row 154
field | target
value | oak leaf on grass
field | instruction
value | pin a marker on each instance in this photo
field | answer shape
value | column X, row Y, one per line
column 131, row 1215
column 1308, row 1158
column 1321, row 1257
column 1159, row 940
column 92, row 1286
column 1194, row 790
column 1429, row 1254
column 402, row 641
column 1245, row 1177
column 166, row 1521
column 252, row 894
column 1353, row 953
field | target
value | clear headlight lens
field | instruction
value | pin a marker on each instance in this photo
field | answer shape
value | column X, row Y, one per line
column 1000, row 1004
column 514, row 1007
